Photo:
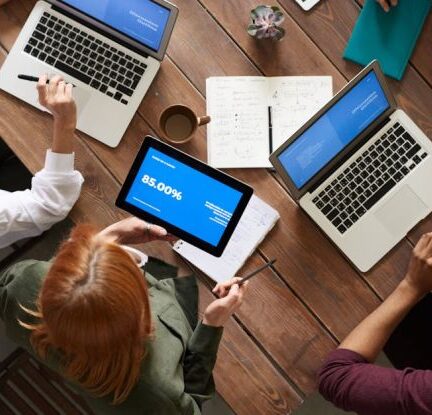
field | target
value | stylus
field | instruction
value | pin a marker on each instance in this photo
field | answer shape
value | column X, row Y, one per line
column 257, row 271
column 32, row 78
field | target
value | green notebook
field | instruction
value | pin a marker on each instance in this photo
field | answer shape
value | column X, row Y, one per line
column 389, row 37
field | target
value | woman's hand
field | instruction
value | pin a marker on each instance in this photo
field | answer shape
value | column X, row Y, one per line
column 419, row 274
column 230, row 299
column 385, row 4
column 57, row 98
column 136, row 231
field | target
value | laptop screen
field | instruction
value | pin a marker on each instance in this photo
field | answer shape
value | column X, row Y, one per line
column 142, row 20
column 334, row 130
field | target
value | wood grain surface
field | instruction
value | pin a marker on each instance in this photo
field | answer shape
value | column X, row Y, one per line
column 292, row 316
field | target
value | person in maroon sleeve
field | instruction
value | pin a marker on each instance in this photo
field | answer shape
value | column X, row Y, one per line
column 349, row 378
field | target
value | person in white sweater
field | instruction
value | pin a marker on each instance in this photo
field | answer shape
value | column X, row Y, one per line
column 54, row 189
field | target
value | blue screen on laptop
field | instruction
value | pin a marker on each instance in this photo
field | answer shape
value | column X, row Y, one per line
column 183, row 196
column 334, row 130
column 142, row 20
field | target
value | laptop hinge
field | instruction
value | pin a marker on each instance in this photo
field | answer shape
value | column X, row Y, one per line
column 96, row 29
column 349, row 154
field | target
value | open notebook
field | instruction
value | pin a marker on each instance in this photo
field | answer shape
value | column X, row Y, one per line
column 257, row 220
column 253, row 115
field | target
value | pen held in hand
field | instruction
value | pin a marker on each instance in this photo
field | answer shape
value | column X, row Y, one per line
column 33, row 78
column 257, row 271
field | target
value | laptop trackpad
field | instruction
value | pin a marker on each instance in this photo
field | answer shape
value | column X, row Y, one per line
column 81, row 97
column 402, row 211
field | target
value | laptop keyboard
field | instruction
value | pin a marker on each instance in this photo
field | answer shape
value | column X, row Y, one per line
column 86, row 58
column 366, row 180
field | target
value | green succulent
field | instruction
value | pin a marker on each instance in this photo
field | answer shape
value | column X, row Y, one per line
column 265, row 23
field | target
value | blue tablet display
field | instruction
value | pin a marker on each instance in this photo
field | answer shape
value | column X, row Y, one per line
column 183, row 196
column 142, row 20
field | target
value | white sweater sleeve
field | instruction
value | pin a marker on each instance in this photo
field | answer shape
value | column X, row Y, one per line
column 54, row 191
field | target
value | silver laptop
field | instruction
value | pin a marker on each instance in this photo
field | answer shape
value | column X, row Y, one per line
column 110, row 50
column 361, row 169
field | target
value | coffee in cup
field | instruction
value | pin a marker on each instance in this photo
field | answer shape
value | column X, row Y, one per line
column 178, row 123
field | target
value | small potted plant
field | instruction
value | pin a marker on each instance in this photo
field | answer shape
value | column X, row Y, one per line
column 265, row 23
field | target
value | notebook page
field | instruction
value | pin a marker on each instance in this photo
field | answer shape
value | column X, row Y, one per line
column 257, row 220
column 237, row 135
column 294, row 99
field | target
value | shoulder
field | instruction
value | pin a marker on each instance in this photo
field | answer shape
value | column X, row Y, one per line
column 19, row 287
column 23, row 274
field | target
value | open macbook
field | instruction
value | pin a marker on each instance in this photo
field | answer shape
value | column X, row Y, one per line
column 192, row 200
column 361, row 169
column 110, row 50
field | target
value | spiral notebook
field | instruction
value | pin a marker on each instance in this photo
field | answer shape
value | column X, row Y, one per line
column 257, row 221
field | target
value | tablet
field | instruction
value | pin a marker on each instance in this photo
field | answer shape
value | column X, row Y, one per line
column 190, row 199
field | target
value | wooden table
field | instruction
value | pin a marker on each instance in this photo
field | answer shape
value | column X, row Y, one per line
column 292, row 318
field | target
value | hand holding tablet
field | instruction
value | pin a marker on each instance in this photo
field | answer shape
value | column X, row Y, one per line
column 188, row 198
column 134, row 231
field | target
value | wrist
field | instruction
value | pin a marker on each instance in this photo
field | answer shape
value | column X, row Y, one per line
column 110, row 233
column 410, row 291
column 63, row 137
column 66, row 124
column 212, row 322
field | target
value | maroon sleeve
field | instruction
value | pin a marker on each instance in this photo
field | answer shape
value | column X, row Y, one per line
column 353, row 384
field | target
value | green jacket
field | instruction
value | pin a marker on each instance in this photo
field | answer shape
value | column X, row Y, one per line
column 176, row 374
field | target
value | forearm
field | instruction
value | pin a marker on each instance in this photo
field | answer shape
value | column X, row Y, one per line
column 63, row 137
column 200, row 360
column 370, row 336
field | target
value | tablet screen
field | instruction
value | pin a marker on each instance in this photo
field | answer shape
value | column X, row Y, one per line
column 185, row 194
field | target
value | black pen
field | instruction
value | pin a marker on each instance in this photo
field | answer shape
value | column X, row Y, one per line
column 270, row 128
column 257, row 271
column 32, row 78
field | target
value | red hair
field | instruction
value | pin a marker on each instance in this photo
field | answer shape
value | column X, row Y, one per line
column 94, row 308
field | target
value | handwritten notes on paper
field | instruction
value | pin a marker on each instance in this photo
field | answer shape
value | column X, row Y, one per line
column 238, row 135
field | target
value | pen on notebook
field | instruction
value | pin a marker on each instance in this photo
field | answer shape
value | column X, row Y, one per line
column 32, row 78
column 270, row 128
column 257, row 271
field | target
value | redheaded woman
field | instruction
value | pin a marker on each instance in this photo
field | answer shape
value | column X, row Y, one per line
column 128, row 340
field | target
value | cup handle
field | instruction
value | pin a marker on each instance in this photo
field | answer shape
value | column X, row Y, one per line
column 204, row 120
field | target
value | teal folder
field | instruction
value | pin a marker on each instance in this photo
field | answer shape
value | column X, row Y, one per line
column 389, row 37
